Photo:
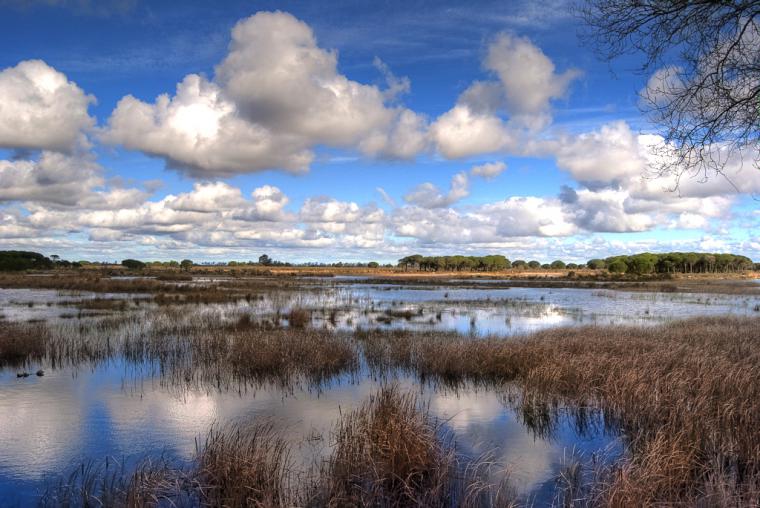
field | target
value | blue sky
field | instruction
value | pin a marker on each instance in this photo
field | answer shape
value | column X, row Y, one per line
column 342, row 130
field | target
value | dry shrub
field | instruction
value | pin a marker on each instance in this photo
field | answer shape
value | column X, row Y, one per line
column 244, row 467
column 299, row 318
column 20, row 343
column 686, row 394
column 388, row 453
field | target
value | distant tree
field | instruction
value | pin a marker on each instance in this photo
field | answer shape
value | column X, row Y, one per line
column 558, row 264
column 706, row 85
column 373, row 264
column 534, row 264
column 186, row 264
column 408, row 262
column 572, row 266
column 133, row 264
column 546, row 266
column 596, row 264
column 265, row 260
column 519, row 263
column 17, row 260
column 642, row 264
column 617, row 266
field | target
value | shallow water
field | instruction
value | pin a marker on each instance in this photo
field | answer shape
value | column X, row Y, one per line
column 50, row 424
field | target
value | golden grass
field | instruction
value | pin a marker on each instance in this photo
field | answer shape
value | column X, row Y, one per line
column 244, row 466
column 686, row 395
column 21, row 343
column 387, row 453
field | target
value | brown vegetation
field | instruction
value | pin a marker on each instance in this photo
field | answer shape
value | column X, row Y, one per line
column 21, row 343
column 387, row 453
column 686, row 396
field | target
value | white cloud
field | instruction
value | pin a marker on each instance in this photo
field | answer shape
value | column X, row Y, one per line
column 503, row 115
column 275, row 96
column 201, row 130
column 40, row 109
column 611, row 154
column 489, row 170
column 427, row 195
column 604, row 211
column 528, row 77
column 492, row 223
column 461, row 132
column 53, row 178
column 208, row 197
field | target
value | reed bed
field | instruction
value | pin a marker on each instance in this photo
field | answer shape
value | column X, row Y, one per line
column 244, row 466
column 21, row 343
column 205, row 348
column 685, row 395
column 388, row 452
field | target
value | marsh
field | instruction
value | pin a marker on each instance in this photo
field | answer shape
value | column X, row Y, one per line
column 519, row 387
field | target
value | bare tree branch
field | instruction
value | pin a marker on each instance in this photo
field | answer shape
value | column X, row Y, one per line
column 704, row 61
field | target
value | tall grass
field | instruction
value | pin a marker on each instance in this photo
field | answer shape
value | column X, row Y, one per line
column 21, row 343
column 244, row 466
column 388, row 452
column 685, row 395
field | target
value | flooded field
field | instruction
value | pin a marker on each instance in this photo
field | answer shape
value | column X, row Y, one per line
column 127, row 376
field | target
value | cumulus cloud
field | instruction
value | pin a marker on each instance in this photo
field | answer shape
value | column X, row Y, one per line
column 427, row 195
column 200, row 130
column 504, row 114
column 53, row 178
column 488, row 224
column 609, row 155
column 274, row 97
column 462, row 132
column 208, row 197
column 528, row 78
column 40, row 109
column 603, row 211
column 620, row 192
column 489, row 170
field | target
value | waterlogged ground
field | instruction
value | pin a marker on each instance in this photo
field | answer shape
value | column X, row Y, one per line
column 116, row 409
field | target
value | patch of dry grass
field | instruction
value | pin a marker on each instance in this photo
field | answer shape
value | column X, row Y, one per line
column 21, row 343
column 686, row 395
column 387, row 453
column 244, row 466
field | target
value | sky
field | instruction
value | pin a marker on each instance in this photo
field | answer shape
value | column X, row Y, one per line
column 342, row 130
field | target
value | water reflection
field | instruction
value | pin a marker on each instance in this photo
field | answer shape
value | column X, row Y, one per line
column 118, row 409
column 50, row 425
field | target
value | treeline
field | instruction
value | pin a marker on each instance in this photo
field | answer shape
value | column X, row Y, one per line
column 18, row 260
column 638, row 264
column 675, row 262
column 455, row 263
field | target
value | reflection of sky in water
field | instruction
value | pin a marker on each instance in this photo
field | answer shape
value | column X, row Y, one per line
column 40, row 304
column 493, row 311
column 49, row 424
